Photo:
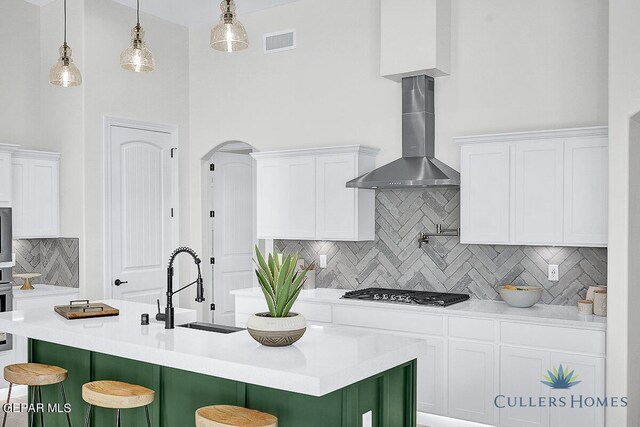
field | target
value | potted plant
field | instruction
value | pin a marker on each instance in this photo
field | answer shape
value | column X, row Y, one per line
column 281, row 284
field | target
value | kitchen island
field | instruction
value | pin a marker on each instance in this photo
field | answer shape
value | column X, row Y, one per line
column 331, row 377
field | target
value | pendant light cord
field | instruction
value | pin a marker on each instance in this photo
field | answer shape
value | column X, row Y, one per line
column 138, row 12
column 65, row 22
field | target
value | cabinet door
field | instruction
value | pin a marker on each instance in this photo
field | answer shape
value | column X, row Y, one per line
column 272, row 202
column 21, row 221
column 336, row 209
column 43, row 187
column 539, row 192
column 5, row 179
column 471, row 381
column 590, row 372
column 301, row 199
column 521, row 371
column 485, row 197
column 431, row 377
column 586, row 181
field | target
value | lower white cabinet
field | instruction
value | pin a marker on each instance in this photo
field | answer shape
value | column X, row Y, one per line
column 471, row 381
column 479, row 368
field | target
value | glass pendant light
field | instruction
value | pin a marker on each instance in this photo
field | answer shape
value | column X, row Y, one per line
column 137, row 57
column 65, row 73
column 229, row 35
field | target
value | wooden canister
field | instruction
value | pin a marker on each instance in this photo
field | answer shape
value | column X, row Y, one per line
column 600, row 302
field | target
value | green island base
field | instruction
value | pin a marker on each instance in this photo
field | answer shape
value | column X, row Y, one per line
column 390, row 395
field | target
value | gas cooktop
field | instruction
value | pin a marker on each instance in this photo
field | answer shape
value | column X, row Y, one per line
column 442, row 299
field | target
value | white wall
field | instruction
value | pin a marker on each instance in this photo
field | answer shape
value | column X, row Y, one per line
column 623, row 340
column 19, row 94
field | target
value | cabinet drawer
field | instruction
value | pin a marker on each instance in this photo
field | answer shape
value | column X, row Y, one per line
column 314, row 312
column 475, row 329
column 553, row 337
column 391, row 320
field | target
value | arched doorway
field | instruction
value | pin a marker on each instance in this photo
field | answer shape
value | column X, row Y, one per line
column 229, row 225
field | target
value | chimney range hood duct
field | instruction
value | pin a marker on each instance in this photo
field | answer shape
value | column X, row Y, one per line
column 417, row 168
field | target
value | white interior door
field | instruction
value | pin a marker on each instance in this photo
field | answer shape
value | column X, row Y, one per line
column 141, row 202
column 233, row 230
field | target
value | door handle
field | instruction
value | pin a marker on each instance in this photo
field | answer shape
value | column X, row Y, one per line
column 119, row 282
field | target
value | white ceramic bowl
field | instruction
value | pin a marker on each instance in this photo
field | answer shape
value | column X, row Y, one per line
column 523, row 297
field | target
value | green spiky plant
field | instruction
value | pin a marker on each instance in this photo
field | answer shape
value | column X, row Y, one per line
column 280, row 282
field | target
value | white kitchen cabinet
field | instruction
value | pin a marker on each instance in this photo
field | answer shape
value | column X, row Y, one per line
column 302, row 194
column 431, row 389
column 521, row 370
column 415, row 38
column 586, row 183
column 539, row 191
column 590, row 372
column 535, row 188
column 35, row 185
column 471, row 381
column 5, row 179
column 485, row 193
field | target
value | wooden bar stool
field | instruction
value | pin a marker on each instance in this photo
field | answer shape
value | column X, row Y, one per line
column 116, row 395
column 35, row 376
column 233, row 416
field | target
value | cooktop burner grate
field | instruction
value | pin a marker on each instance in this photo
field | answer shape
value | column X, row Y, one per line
column 401, row 296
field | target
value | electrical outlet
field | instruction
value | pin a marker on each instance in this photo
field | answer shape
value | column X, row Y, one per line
column 367, row 419
column 554, row 274
column 323, row 261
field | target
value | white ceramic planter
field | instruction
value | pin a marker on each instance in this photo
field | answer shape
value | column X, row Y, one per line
column 276, row 331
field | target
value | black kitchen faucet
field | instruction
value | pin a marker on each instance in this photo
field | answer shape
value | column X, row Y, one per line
column 168, row 316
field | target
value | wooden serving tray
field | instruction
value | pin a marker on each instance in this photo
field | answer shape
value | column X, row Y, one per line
column 83, row 309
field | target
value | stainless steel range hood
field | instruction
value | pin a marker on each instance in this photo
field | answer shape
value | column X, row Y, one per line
column 417, row 167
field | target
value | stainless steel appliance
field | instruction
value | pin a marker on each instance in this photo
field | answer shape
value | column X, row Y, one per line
column 418, row 167
column 401, row 296
column 6, row 284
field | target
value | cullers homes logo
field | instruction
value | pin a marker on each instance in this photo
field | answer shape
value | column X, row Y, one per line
column 560, row 379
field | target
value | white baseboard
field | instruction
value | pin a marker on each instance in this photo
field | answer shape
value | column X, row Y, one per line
column 16, row 391
column 431, row 420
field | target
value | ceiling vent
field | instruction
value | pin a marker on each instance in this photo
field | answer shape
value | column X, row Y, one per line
column 279, row 41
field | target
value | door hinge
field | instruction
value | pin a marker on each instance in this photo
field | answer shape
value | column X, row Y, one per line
column 212, row 167
column 172, row 150
column 213, row 307
column 212, row 260
column 212, row 214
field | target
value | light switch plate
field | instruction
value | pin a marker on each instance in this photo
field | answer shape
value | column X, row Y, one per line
column 554, row 274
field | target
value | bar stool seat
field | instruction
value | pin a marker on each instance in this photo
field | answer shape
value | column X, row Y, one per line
column 116, row 395
column 34, row 374
column 233, row 416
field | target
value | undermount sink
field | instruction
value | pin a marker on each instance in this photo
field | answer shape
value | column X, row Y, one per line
column 210, row 327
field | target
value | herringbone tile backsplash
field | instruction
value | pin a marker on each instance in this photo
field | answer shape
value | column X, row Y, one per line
column 56, row 259
column 394, row 260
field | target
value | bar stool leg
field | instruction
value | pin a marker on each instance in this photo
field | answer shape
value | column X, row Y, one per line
column 4, row 419
column 32, row 415
column 88, row 418
column 41, row 403
column 118, row 418
column 64, row 401
column 146, row 412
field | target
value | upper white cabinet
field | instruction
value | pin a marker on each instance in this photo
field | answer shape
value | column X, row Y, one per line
column 485, row 193
column 535, row 188
column 415, row 38
column 5, row 174
column 35, row 185
column 302, row 194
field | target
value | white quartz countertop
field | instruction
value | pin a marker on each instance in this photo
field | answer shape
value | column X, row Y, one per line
column 539, row 313
column 324, row 360
column 40, row 291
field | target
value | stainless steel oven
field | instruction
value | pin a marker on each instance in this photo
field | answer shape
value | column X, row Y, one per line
column 6, row 304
